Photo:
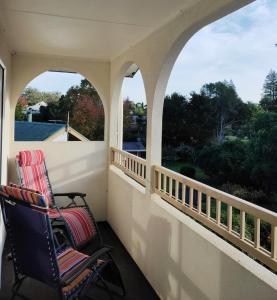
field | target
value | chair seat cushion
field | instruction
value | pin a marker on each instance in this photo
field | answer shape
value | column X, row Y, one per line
column 79, row 222
column 68, row 261
column 77, row 283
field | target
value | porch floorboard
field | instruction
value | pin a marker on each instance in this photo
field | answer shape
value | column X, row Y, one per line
column 137, row 287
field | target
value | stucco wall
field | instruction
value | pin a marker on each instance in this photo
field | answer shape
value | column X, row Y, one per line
column 73, row 167
column 5, row 60
column 155, row 56
column 180, row 258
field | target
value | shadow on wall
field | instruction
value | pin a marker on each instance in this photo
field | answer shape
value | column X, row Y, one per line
column 182, row 260
column 156, row 241
column 162, row 245
column 74, row 172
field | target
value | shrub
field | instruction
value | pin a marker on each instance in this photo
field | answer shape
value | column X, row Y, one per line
column 188, row 171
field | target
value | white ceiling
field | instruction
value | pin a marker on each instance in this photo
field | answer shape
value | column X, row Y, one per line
column 99, row 29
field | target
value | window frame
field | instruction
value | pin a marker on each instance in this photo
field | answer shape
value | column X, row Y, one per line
column 2, row 91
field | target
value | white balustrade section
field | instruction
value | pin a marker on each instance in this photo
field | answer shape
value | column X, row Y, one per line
column 130, row 164
column 232, row 218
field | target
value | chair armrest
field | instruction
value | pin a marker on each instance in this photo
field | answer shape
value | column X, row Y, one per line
column 67, row 279
column 71, row 195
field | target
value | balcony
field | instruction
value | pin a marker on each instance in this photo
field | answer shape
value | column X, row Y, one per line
column 135, row 283
column 178, row 233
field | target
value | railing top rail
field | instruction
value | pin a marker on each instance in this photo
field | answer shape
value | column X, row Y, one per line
column 132, row 156
column 236, row 202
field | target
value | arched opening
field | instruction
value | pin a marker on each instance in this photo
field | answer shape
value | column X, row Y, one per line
column 134, row 112
column 218, row 128
column 59, row 106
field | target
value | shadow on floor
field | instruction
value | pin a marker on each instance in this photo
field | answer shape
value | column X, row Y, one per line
column 137, row 287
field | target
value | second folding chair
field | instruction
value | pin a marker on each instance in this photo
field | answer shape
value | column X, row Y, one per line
column 78, row 219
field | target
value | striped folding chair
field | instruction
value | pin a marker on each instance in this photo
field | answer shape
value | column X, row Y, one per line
column 79, row 221
column 35, row 254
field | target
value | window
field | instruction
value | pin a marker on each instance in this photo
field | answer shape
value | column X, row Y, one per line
column 1, row 115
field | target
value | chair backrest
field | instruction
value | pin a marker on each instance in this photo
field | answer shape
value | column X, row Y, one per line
column 33, row 173
column 30, row 234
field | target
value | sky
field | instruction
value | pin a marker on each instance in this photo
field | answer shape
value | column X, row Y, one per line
column 55, row 81
column 239, row 47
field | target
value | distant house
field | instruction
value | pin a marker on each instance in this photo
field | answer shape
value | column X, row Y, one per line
column 39, row 131
column 136, row 148
column 35, row 109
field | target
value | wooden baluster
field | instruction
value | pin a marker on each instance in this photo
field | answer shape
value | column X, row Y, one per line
column 132, row 165
column 112, row 156
column 115, row 157
column 199, row 202
column 164, row 183
column 170, row 187
column 208, row 209
column 119, row 159
column 257, row 232
column 184, row 193
column 136, row 167
column 229, row 217
column 190, row 197
column 218, row 212
column 274, row 242
column 176, row 189
column 242, row 224
column 159, row 180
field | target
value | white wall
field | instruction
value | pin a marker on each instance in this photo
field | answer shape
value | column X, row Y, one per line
column 61, row 138
column 5, row 60
column 155, row 56
column 73, row 167
column 180, row 258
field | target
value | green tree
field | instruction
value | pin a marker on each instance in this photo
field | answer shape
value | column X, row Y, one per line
column 269, row 100
column 224, row 162
column 200, row 121
column 34, row 96
column 85, row 108
column 230, row 111
column 19, row 115
column 262, row 155
column 129, row 133
column 174, row 123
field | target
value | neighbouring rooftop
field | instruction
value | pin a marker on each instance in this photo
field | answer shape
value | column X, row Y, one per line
column 35, row 131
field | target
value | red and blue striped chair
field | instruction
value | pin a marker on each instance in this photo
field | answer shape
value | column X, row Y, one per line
column 35, row 254
column 33, row 175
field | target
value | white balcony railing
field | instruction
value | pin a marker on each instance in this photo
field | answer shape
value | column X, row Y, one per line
column 130, row 164
column 223, row 213
column 249, row 227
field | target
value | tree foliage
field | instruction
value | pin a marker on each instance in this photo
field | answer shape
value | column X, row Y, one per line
column 134, row 121
column 34, row 96
column 88, row 118
column 19, row 115
column 81, row 102
column 269, row 100
column 232, row 142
